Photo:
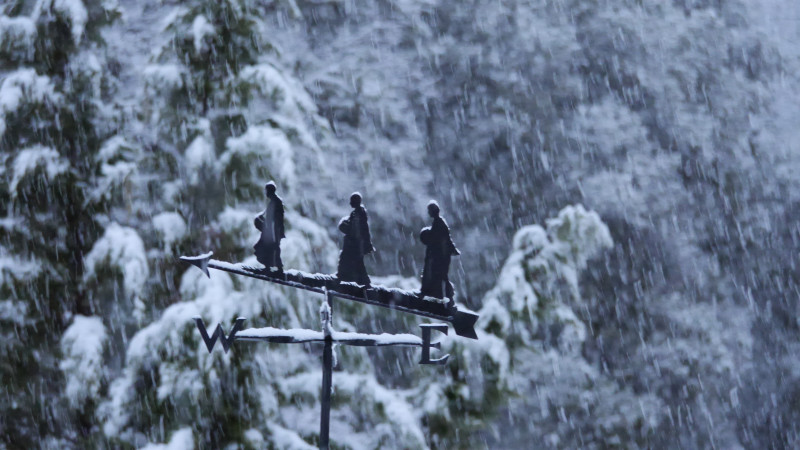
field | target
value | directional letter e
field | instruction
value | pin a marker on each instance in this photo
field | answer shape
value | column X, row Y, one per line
column 426, row 343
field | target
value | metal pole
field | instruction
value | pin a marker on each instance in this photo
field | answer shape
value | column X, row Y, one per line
column 327, row 376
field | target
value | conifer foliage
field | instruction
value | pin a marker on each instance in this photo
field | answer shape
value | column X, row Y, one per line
column 131, row 134
column 53, row 124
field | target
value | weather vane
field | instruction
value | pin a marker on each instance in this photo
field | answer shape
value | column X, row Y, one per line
column 351, row 282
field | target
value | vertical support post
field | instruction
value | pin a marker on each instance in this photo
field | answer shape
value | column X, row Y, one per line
column 327, row 378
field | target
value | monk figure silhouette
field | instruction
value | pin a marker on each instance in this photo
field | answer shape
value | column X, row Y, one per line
column 357, row 244
column 439, row 249
column 270, row 223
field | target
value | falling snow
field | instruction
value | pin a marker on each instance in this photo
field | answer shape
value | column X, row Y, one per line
column 620, row 177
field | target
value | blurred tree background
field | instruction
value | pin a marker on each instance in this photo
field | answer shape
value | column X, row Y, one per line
column 620, row 177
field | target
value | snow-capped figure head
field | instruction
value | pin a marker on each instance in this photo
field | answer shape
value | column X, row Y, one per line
column 433, row 208
column 355, row 199
column 270, row 189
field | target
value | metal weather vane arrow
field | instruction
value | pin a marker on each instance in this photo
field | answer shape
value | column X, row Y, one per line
column 351, row 282
column 463, row 321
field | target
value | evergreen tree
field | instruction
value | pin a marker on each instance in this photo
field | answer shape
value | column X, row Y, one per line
column 228, row 116
column 53, row 123
column 674, row 121
column 216, row 78
column 527, row 364
column 365, row 67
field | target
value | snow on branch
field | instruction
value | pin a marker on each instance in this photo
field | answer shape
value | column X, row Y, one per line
column 17, row 35
column 581, row 233
column 269, row 146
column 122, row 247
column 170, row 227
column 30, row 158
column 180, row 440
column 72, row 10
column 14, row 267
column 164, row 78
column 200, row 29
column 24, row 86
column 82, row 346
column 526, row 286
column 284, row 90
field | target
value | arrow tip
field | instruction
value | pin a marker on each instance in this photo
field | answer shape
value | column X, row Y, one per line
column 200, row 261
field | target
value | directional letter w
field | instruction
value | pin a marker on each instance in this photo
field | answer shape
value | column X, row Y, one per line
column 218, row 334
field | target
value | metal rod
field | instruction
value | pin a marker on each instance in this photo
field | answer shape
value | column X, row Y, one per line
column 321, row 290
column 327, row 375
column 327, row 378
column 463, row 322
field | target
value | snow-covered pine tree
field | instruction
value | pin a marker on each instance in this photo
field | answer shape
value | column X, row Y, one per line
column 375, row 105
column 221, row 133
column 54, row 121
column 221, row 116
column 216, row 77
column 532, row 342
column 526, row 372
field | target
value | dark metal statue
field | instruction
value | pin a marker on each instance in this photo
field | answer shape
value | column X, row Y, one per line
column 357, row 244
column 435, row 280
column 270, row 223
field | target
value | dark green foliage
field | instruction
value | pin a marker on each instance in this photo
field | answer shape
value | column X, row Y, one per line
column 203, row 106
column 56, row 224
column 212, row 62
column 211, row 42
column 222, row 54
column 218, row 417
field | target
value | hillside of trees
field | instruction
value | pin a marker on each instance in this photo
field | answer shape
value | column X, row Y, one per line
column 619, row 176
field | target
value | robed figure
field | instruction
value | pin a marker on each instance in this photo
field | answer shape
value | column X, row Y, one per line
column 270, row 223
column 357, row 244
column 439, row 249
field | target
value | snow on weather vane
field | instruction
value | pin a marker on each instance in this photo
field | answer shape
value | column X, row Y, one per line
column 351, row 282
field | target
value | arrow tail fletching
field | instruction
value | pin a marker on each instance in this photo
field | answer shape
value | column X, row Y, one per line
column 464, row 324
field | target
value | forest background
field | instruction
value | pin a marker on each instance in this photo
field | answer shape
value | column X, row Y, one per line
column 619, row 176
